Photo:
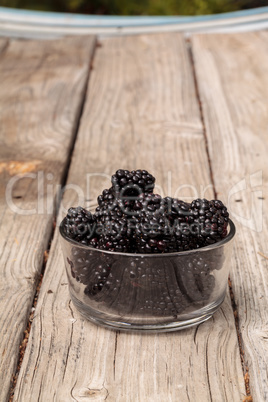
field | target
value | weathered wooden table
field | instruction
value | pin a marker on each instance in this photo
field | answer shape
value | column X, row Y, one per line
column 194, row 113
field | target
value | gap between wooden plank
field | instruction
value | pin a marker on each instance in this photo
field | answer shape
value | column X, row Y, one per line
column 24, row 342
column 188, row 44
column 234, row 306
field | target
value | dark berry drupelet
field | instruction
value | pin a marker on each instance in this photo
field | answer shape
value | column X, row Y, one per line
column 107, row 198
column 155, row 233
column 128, row 204
column 162, row 225
column 99, row 278
column 132, row 183
column 178, row 213
column 91, row 270
column 177, row 210
column 112, row 229
column 80, row 225
column 145, row 289
column 151, row 234
column 194, row 278
column 208, row 220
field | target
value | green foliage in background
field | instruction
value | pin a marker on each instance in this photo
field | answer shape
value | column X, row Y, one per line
column 137, row 7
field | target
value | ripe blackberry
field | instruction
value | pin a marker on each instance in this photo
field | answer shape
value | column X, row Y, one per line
column 112, row 229
column 176, row 210
column 132, row 183
column 107, row 198
column 150, row 204
column 151, row 289
column 148, row 231
column 209, row 221
column 84, row 264
column 161, row 226
column 99, row 278
column 194, row 278
column 158, row 293
column 140, row 289
column 154, row 233
column 79, row 225
column 109, row 243
column 90, row 268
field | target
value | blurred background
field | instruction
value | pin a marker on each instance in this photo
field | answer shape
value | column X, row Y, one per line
column 136, row 7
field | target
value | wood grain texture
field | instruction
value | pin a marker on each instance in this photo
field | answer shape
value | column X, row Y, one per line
column 141, row 111
column 3, row 45
column 41, row 93
column 233, row 83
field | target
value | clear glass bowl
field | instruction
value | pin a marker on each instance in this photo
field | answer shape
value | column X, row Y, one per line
column 147, row 292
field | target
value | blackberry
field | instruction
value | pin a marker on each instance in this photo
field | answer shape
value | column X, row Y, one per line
column 158, row 293
column 161, row 226
column 109, row 243
column 178, row 212
column 194, row 278
column 134, row 205
column 90, row 269
column 79, row 225
column 132, row 183
column 150, row 204
column 107, row 198
column 176, row 209
column 155, row 234
column 140, row 289
column 148, row 231
column 112, row 229
column 83, row 265
column 104, row 290
column 100, row 276
column 209, row 220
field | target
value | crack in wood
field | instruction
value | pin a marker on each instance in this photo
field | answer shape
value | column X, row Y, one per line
column 71, row 338
column 240, row 341
column 209, row 388
column 72, row 391
column 38, row 354
column 115, row 349
column 25, row 339
column 106, row 391
column 191, row 57
column 195, row 332
column 76, row 129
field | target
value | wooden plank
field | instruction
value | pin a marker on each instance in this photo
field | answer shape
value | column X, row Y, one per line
column 141, row 111
column 233, row 83
column 41, row 94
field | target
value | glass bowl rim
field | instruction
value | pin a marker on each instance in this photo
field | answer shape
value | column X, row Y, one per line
column 218, row 244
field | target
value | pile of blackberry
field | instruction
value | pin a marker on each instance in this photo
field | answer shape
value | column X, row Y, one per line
column 130, row 218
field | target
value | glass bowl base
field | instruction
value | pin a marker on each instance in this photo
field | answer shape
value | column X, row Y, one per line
column 119, row 324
